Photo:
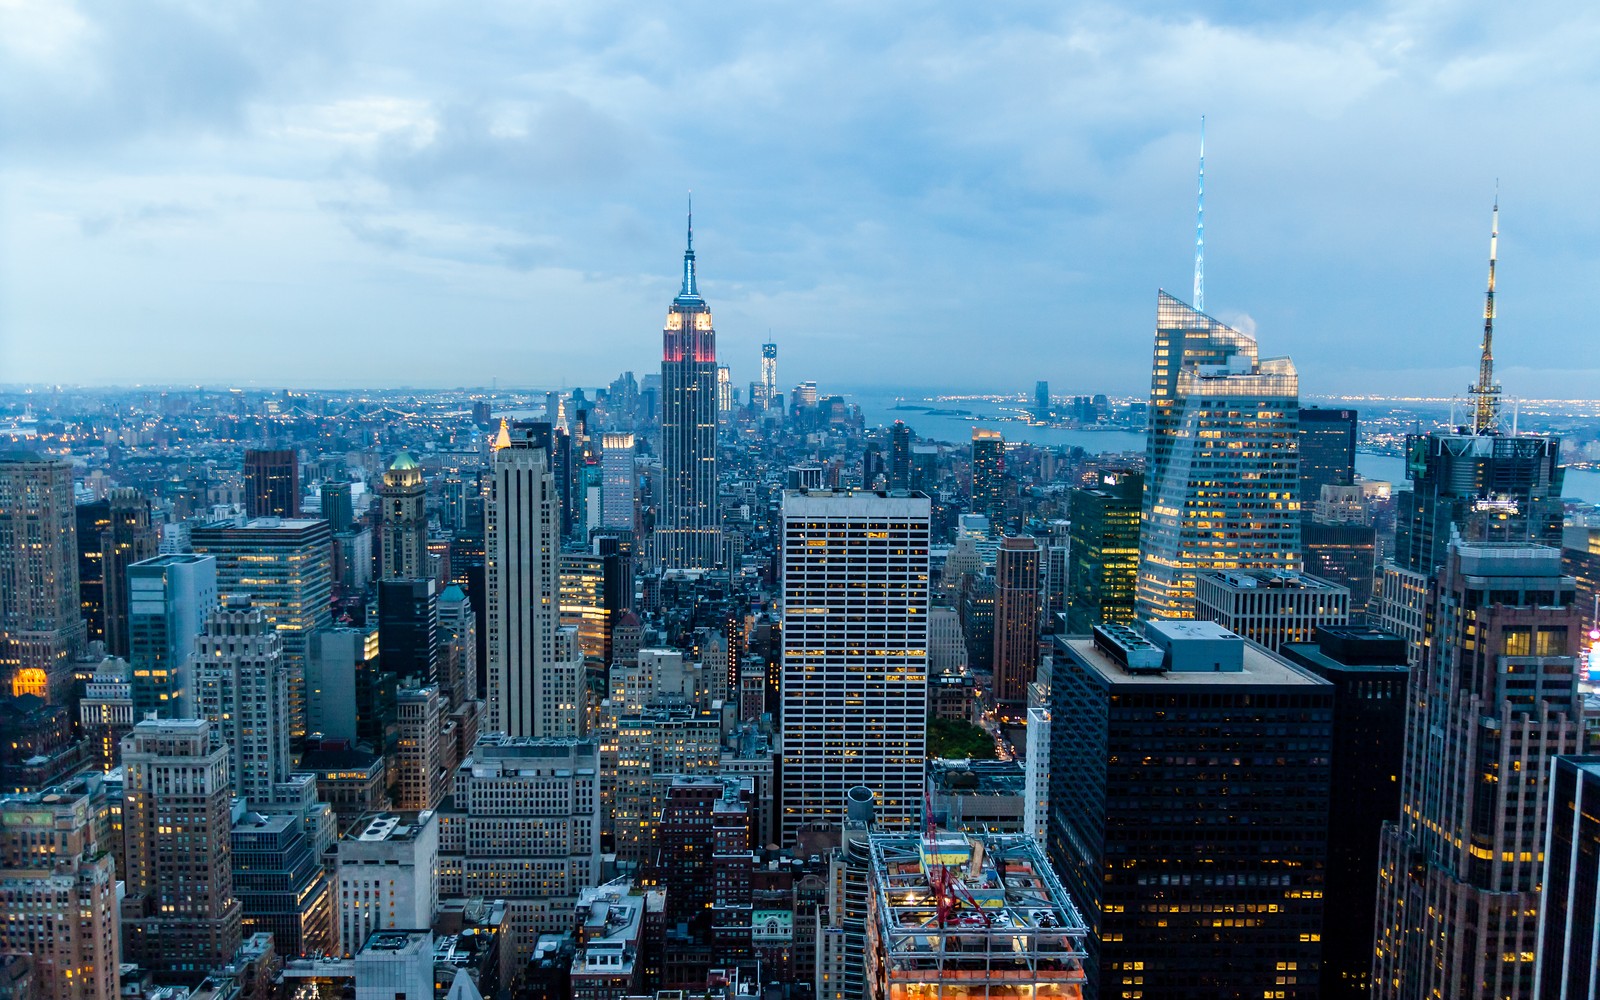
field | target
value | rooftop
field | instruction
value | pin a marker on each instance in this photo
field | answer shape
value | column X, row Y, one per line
column 1269, row 580
column 1260, row 667
column 376, row 827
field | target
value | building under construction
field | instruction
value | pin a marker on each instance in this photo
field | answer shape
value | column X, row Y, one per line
column 956, row 916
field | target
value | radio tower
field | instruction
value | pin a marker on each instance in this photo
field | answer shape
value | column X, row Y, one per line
column 1486, row 413
column 1200, row 229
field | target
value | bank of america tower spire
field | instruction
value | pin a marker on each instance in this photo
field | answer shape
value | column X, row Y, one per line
column 688, row 531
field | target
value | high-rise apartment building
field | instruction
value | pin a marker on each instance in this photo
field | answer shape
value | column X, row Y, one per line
column 618, row 481
column 129, row 537
column 1016, row 620
column 988, row 474
column 169, row 599
column 1492, row 701
column 284, row 566
column 1197, row 876
column 58, row 890
column 535, row 665
column 41, row 627
column 854, row 668
column 1327, row 451
column 241, row 686
column 1221, row 487
column 523, row 825
column 180, row 918
column 1103, row 551
column 271, row 482
column 403, row 542
column 688, row 532
column 1568, row 966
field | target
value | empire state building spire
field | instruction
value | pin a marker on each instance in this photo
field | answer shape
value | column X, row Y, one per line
column 1486, row 411
column 690, row 289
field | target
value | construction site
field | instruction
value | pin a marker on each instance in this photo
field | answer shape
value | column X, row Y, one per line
column 957, row 915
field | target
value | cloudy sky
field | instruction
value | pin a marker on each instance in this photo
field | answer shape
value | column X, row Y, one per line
column 968, row 195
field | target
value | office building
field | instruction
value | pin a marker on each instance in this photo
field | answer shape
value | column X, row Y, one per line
column 592, row 601
column 180, row 917
column 128, row 537
column 418, row 764
column 1041, row 400
column 408, row 628
column 1327, row 451
column 105, row 713
column 641, row 751
column 283, row 889
column 1221, row 489
column 1568, row 966
column 170, row 597
column 388, row 875
column 899, row 456
column 619, row 484
column 338, row 506
column 705, row 856
column 1367, row 669
column 395, row 965
column 283, row 565
column 458, row 640
column 1016, row 620
column 610, row 959
column 523, row 825
column 1197, row 877
column 854, row 669
column 769, row 375
column 403, row 542
column 41, row 627
column 1270, row 608
column 93, row 519
column 964, row 915
column 688, row 531
column 535, row 666
column 988, row 474
column 271, row 483
column 58, row 891
column 1492, row 701
column 1103, row 551
column 242, row 688
column 1036, row 773
column 841, row 948
column 1342, row 553
column 339, row 659
column 978, row 796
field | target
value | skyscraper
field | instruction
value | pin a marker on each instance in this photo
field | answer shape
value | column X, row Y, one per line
column 1569, row 926
column 535, row 665
column 285, row 567
column 1104, row 552
column 180, row 918
column 408, row 629
column 769, row 374
column 128, row 537
column 41, row 629
column 688, row 531
column 1492, row 701
column 988, row 474
column 855, row 650
column 1198, row 877
column 1041, row 400
column 1327, row 451
column 899, row 456
column 170, row 598
column 618, row 481
column 1016, row 620
column 1221, row 467
column 271, row 482
column 241, row 687
column 404, row 539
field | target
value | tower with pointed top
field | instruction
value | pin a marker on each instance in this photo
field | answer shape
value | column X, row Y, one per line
column 1200, row 227
column 405, row 520
column 1486, row 394
column 688, row 531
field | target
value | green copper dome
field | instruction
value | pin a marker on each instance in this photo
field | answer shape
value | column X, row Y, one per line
column 403, row 462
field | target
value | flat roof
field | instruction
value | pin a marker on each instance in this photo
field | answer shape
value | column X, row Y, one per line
column 1261, row 666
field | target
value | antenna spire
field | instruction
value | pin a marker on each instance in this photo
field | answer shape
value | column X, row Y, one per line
column 1200, row 228
column 1486, row 411
column 689, row 286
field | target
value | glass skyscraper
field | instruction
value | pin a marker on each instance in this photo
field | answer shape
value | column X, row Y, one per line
column 1222, row 463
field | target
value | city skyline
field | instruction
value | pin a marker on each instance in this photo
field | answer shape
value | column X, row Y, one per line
column 371, row 188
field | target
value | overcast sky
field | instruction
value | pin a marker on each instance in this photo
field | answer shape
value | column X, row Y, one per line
column 969, row 195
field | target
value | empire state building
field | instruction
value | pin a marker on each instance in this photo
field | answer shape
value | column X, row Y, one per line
column 688, row 533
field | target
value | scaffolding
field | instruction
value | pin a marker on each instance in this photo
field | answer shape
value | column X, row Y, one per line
column 957, row 916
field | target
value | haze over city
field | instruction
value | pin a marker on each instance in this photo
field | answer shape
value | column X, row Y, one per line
column 373, row 195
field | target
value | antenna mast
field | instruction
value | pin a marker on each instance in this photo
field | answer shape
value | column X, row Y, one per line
column 1200, row 228
column 1486, row 413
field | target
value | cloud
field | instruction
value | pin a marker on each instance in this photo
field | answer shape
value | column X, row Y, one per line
column 974, row 195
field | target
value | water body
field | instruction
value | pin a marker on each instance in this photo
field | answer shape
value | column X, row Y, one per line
column 945, row 425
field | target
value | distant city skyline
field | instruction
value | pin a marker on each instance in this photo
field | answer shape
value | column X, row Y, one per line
column 352, row 198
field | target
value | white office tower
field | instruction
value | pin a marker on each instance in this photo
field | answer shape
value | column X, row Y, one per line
column 1036, row 773
column 388, row 875
column 535, row 664
column 617, row 480
column 1222, row 467
column 855, row 655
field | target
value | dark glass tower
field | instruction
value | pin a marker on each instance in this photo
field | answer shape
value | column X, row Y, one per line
column 688, row 532
column 988, row 474
column 1104, row 549
column 271, row 483
column 899, row 456
column 1327, row 451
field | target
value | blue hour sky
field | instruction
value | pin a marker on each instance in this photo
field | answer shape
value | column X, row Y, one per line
column 961, row 195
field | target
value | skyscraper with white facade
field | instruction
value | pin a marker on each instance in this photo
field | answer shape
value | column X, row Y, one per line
column 617, row 480
column 855, row 655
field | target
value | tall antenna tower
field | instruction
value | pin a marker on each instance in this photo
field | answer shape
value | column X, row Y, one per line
column 1200, row 228
column 1486, row 411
